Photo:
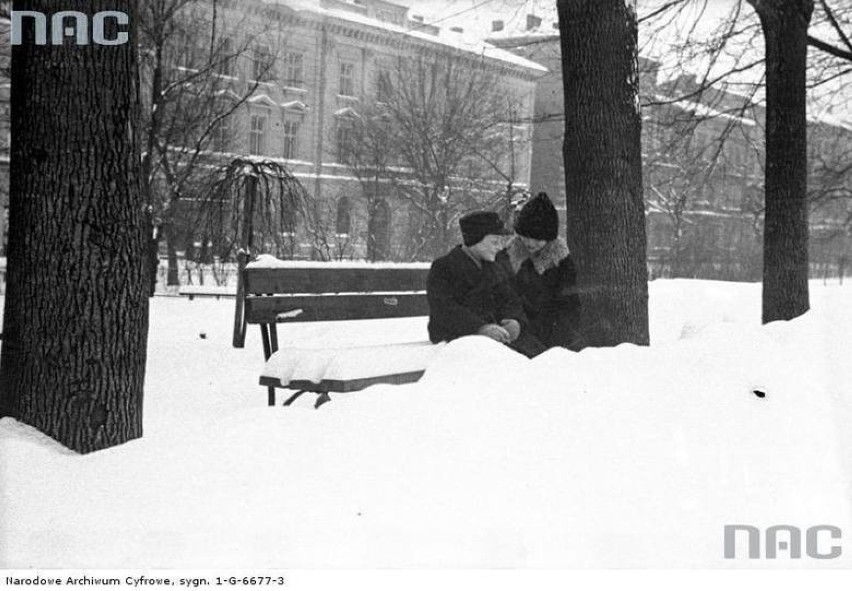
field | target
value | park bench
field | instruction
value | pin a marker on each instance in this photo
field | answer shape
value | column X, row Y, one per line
column 272, row 292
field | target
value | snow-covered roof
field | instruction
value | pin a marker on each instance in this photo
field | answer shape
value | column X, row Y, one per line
column 464, row 42
column 702, row 110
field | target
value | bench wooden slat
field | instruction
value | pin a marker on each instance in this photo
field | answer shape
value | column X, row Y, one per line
column 269, row 295
column 260, row 280
column 266, row 309
column 326, row 386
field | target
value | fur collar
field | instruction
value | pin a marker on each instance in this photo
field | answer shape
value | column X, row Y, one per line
column 548, row 257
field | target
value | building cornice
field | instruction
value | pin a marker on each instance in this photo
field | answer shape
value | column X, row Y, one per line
column 376, row 34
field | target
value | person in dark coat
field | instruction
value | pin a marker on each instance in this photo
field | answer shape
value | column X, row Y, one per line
column 543, row 274
column 470, row 295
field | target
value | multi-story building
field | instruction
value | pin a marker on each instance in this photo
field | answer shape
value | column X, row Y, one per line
column 703, row 174
column 315, row 66
column 702, row 167
column 329, row 59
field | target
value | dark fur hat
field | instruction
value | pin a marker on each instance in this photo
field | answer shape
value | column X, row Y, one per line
column 479, row 224
column 538, row 219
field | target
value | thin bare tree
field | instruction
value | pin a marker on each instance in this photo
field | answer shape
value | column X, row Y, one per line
column 442, row 135
column 726, row 60
column 201, row 64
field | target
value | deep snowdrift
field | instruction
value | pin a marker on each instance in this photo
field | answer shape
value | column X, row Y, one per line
column 626, row 456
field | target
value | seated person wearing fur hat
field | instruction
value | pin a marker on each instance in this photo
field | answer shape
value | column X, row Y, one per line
column 469, row 295
column 543, row 274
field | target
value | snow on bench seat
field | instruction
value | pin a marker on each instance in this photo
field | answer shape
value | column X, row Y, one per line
column 273, row 292
column 347, row 369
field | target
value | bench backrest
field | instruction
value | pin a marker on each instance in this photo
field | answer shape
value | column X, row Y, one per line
column 309, row 292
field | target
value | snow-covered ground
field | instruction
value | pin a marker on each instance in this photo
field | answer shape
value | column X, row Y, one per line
column 625, row 456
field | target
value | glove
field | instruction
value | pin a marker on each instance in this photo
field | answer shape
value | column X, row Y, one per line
column 513, row 327
column 492, row 331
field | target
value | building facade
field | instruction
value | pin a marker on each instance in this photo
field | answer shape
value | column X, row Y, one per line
column 329, row 61
column 703, row 157
column 302, row 72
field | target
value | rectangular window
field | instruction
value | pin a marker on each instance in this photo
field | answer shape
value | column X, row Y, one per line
column 222, row 136
column 294, row 70
column 388, row 17
column 344, row 141
column 347, row 79
column 291, row 134
column 262, row 64
column 384, row 89
column 187, row 53
column 224, row 60
column 257, row 135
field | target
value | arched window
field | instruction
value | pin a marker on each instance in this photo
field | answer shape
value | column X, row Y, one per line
column 343, row 225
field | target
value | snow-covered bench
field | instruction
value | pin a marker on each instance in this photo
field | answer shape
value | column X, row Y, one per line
column 271, row 291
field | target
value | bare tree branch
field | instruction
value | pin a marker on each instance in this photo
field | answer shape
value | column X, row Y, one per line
column 830, row 49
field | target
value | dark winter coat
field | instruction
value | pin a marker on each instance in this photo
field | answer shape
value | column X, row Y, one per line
column 546, row 283
column 464, row 296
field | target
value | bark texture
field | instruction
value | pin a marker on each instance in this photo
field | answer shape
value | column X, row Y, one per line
column 785, row 242
column 603, row 168
column 76, row 311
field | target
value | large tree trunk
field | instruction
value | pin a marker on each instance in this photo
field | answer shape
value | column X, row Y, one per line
column 76, row 312
column 785, row 239
column 603, row 168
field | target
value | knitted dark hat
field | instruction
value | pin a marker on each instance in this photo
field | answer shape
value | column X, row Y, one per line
column 538, row 219
column 479, row 224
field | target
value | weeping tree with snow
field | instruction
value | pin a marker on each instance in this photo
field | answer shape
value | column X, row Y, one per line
column 76, row 310
column 603, row 167
column 254, row 207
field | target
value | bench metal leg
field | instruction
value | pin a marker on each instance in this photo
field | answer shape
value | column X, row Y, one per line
column 292, row 398
column 264, row 334
column 273, row 338
column 322, row 399
column 271, row 395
